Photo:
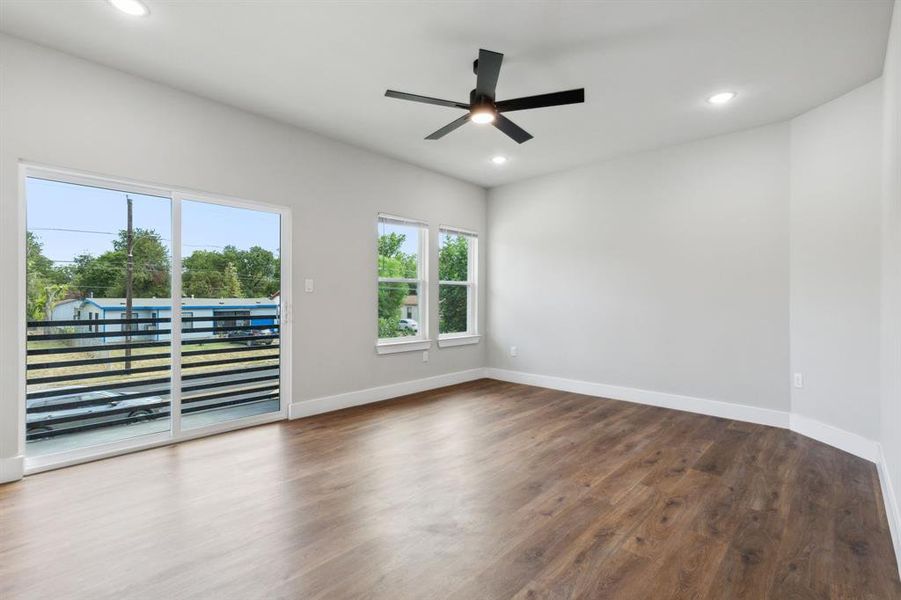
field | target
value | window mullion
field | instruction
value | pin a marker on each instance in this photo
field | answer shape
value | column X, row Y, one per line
column 175, row 285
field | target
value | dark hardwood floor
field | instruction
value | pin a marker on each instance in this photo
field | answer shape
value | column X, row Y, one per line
column 482, row 490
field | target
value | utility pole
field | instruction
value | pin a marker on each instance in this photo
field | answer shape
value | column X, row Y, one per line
column 129, row 281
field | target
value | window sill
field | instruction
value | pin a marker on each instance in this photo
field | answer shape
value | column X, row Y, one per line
column 410, row 346
column 458, row 340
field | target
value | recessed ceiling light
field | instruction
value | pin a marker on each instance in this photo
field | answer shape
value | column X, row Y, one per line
column 482, row 117
column 721, row 97
column 135, row 8
column 498, row 160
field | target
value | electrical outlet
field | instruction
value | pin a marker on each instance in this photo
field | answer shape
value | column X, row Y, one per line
column 514, row 351
column 425, row 356
column 799, row 380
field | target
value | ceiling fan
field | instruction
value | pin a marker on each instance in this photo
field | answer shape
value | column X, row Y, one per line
column 483, row 108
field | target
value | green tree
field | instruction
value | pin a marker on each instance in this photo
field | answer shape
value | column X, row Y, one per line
column 453, row 265
column 396, row 264
column 35, row 260
column 104, row 275
column 231, row 285
column 47, row 298
column 45, row 283
column 257, row 270
column 203, row 274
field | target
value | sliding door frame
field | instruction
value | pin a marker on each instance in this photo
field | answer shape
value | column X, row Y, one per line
column 175, row 433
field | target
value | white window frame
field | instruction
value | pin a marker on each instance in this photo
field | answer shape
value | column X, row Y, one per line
column 471, row 335
column 420, row 341
column 175, row 433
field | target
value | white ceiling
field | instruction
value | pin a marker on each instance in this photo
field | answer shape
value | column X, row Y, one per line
column 647, row 66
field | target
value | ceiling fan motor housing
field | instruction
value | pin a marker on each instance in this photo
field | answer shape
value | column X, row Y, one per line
column 480, row 102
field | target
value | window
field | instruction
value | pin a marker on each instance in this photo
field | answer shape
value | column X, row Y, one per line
column 186, row 323
column 457, row 297
column 230, row 319
column 403, row 289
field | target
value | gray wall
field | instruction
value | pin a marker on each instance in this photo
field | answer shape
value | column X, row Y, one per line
column 665, row 271
column 70, row 113
column 890, row 417
column 836, row 185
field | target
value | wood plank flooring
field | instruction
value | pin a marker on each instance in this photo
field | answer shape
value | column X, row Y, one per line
column 477, row 491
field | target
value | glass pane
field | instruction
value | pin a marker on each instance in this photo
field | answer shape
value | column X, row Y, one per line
column 398, row 251
column 98, row 345
column 453, row 308
column 230, row 313
column 398, row 309
column 453, row 257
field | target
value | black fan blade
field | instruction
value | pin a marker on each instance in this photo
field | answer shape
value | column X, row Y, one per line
column 448, row 128
column 542, row 100
column 425, row 99
column 516, row 132
column 488, row 72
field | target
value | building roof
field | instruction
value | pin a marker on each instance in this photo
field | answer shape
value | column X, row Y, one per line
column 138, row 303
column 65, row 301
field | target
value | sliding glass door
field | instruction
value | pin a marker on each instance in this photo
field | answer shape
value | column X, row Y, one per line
column 122, row 348
column 98, row 266
column 230, row 313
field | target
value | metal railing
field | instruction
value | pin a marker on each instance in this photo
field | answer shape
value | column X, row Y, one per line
column 232, row 362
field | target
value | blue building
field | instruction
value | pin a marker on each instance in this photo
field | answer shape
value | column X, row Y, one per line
column 220, row 312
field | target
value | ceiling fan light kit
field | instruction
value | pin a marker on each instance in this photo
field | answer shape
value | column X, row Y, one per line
column 484, row 109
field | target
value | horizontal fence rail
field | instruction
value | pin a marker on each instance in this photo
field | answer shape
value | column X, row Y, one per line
column 82, row 362
column 94, row 334
column 85, row 322
column 87, row 375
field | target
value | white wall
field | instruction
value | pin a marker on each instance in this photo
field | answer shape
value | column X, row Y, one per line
column 835, row 260
column 61, row 111
column 665, row 271
column 890, row 417
column 712, row 270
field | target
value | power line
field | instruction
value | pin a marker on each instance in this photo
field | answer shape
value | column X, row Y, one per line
column 162, row 239
column 72, row 230
column 64, row 229
column 158, row 269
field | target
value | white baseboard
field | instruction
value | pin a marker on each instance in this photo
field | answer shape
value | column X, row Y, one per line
column 12, row 469
column 892, row 510
column 715, row 408
column 851, row 443
column 326, row 404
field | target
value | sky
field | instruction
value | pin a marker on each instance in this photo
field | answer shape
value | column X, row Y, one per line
column 411, row 236
column 70, row 220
